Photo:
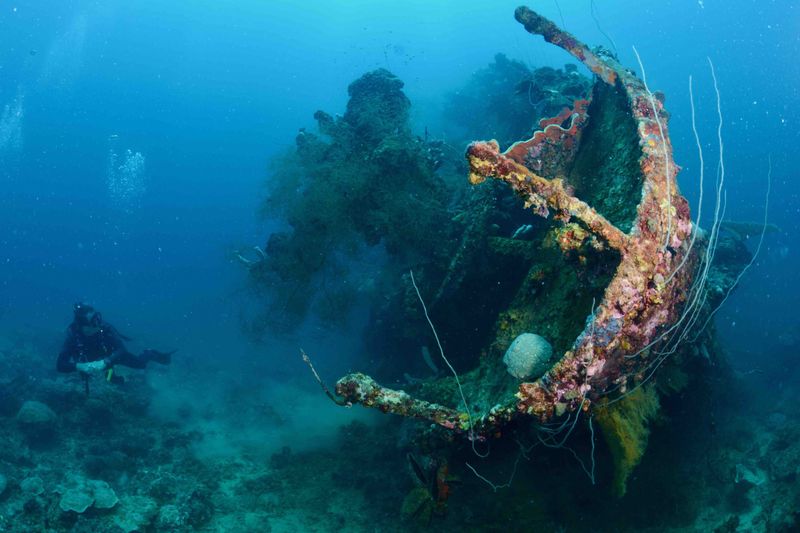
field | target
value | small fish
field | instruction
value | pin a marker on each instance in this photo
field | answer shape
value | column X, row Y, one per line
column 522, row 231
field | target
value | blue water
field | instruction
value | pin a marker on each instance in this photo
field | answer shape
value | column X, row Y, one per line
column 209, row 92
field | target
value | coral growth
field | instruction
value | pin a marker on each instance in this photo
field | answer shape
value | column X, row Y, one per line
column 365, row 181
column 528, row 356
column 506, row 99
column 638, row 304
column 625, row 426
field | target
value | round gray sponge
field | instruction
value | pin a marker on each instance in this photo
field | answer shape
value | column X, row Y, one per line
column 528, row 357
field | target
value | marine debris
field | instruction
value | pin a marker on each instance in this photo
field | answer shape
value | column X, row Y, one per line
column 623, row 338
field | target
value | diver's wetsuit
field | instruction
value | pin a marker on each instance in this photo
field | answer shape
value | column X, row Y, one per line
column 106, row 344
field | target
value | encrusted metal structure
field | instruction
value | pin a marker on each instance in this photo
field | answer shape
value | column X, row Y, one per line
column 656, row 262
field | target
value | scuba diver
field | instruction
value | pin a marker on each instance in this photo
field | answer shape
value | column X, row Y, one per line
column 93, row 345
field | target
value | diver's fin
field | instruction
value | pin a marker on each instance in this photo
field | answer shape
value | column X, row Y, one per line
column 162, row 358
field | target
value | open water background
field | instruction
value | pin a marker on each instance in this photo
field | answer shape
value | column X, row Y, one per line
column 190, row 100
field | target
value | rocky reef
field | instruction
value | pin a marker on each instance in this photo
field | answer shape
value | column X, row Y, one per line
column 719, row 459
column 96, row 462
column 106, row 462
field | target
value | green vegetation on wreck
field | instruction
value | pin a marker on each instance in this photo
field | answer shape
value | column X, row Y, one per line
column 549, row 292
column 366, row 180
column 606, row 173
